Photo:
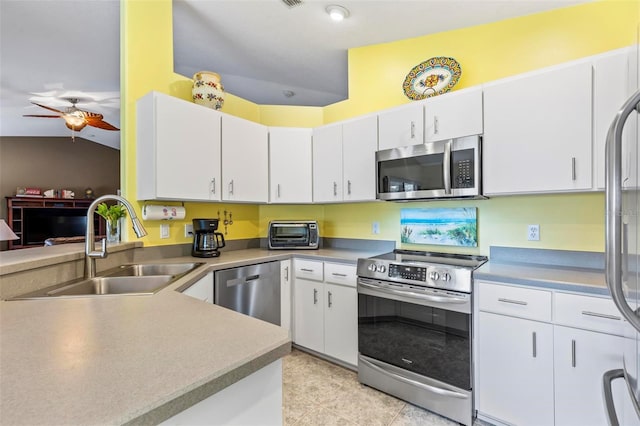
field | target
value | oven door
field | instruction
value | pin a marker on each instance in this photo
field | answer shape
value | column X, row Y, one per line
column 424, row 331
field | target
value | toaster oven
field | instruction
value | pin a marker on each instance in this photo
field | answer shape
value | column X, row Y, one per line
column 293, row 234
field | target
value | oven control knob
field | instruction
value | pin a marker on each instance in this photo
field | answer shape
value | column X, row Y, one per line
column 434, row 276
column 446, row 277
column 373, row 267
column 382, row 268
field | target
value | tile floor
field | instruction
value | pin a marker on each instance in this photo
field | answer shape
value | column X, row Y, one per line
column 317, row 392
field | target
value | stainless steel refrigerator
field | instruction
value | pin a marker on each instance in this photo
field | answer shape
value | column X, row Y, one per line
column 621, row 256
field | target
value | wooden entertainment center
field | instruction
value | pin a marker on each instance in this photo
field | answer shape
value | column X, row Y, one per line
column 34, row 219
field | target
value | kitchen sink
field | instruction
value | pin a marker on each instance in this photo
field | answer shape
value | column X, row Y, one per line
column 115, row 285
column 132, row 279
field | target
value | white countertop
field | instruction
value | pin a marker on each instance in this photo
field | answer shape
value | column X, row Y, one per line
column 120, row 359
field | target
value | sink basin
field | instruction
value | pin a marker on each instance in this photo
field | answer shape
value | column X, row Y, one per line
column 133, row 279
column 142, row 270
column 114, row 285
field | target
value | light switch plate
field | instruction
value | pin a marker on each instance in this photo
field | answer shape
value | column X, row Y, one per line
column 188, row 230
column 164, row 230
column 533, row 232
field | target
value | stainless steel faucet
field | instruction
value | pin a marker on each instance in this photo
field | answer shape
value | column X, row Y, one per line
column 89, row 245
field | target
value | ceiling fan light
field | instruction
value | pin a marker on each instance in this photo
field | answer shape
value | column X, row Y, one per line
column 75, row 120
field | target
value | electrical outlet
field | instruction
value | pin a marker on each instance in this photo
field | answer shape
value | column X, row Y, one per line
column 533, row 232
column 164, row 230
column 188, row 230
column 375, row 228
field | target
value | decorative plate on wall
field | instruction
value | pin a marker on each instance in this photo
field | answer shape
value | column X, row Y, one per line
column 432, row 77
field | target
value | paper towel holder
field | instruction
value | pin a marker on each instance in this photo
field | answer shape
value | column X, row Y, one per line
column 163, row 212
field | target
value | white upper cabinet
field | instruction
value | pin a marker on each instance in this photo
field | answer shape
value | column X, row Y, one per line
column 290, row 165
column 537, row 132
column 359, row 142
column 178, row 149
column 245, row 154
column 613, row 83
column 453, row 115
column 401, row 126
column 327, row 163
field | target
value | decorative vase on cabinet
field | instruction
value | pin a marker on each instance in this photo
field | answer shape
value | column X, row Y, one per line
column 208, row 90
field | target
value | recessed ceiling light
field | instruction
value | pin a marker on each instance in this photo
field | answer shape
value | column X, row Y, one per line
column 337, row 13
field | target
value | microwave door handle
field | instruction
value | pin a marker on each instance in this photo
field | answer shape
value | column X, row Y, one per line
column 446, row 167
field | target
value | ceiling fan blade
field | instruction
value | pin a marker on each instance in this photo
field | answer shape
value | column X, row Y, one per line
column 99, row 123
column 42, row 116
column 49, row 108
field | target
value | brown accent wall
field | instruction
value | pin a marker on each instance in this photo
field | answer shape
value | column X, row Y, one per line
column 56, row 163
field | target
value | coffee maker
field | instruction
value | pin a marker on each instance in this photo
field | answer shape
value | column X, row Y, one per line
column 206, row 241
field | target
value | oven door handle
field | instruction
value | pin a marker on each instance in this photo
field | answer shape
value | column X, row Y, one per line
column 430, row 388
column 431, row 298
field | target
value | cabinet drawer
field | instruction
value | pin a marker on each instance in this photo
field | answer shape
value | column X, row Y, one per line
column 516, row 301
column 339, row 273
column 309, row 269
column 586, row 312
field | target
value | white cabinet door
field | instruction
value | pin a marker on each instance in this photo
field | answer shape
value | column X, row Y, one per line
column 453, row 115
column 537, row 132
column 359, row 142
column 309, row 314
column 245, row 164
column 285, row 295
column 202, row 289
column 327, row 163
column 515, row 370
column 170, row 131
column 341, row 323
column 612, row 86
column 580, row 359
column 290, row 165
column 401, row 126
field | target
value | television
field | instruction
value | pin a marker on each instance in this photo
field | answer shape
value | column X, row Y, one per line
column 40, row 224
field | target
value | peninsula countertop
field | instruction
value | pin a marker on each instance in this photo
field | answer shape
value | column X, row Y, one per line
column 128, row 359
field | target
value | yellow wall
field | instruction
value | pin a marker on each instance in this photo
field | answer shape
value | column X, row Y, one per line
column 376, row 73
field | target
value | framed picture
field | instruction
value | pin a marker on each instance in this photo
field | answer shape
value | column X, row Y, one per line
column 441, row 226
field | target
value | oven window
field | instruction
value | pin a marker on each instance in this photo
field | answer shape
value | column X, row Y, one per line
column 429, row 341
column 421, row 173
column 290, row 233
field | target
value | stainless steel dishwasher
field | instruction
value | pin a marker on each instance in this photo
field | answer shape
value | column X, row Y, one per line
column 253, row 290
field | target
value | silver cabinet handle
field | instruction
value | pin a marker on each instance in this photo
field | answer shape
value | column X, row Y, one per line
column 413, row 130
column 329, row 298
column 349, row 187
column 435, row 124
column 335, row 189
column 231, row 187
column 573, row 168
column 613, row 203
column 535, row 349
column 515, row 302
column 596, row 314
column 335, row 274
column 278, row 191
column 306, row 270
column 607, row 378
column 573, row 353
column 446, row 167
column 213, row 185
column 315, row 296
column 286, row 273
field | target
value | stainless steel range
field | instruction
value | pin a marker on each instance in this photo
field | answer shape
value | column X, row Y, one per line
column 414, row 329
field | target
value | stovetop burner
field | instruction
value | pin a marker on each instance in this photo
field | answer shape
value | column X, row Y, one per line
column 446, row 271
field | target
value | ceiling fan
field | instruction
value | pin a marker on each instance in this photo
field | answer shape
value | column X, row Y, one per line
column 75, row 118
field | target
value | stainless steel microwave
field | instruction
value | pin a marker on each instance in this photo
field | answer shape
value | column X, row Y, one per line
column 293, row 234
column 437, row 170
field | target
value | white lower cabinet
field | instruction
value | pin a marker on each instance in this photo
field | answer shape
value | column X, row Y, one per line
column 202, row 289
column 285, row 295
column 541, row 366
column 326, row 309
column 515, row 363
